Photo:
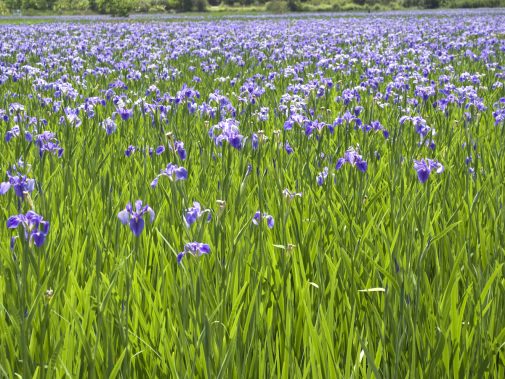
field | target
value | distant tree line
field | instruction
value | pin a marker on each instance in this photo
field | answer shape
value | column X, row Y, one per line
column 124, row 7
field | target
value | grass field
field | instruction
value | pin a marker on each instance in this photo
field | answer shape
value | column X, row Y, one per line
column 335, row 186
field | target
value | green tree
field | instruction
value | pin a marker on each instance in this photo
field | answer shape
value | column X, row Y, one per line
column 431, row 4
column 186, row 5
column 66, row 5
column 3, row 9
column 12, row 4
column 200, row 5
column 119, row 8
column 34, row 4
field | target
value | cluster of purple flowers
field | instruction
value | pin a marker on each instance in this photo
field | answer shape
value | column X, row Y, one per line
column 47, row 142
column 19, row 183
column 228, row 131
column 291, row 80
column 34, row 226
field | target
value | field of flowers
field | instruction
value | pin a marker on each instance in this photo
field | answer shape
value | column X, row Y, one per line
column 288, row 197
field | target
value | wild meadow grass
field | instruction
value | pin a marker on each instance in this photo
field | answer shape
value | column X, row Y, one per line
column 382, row 268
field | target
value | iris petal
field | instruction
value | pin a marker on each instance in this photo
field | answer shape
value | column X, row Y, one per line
column 423, row 175
column 137, row 225
column 179, row 257
column 270, row 222
column 204, row 248
column 38, row 238
column 4, row 187
column 124, row 216
column 151, row 213
column 13, row 222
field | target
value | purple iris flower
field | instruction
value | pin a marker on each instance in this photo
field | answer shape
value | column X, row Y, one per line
column 130, row 150
column 135, row 217
column 125, row 113
column 194, row 213
column 179, row 148
column 258, row 217
column 109, row 126
column 16, row 132
column 173, row 172
column 288, row 125
column 352, row 157
column 229, row 132
column 195, row 249
column 288, row 148
column 321, row 177
column 424, row 167
column 46, row 141
column 254, row 141
column 36, row 229
column 160, row 150
column 19, row 183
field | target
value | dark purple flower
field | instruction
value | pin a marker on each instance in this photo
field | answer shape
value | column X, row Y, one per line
column 254, row 141
column 288, row 125
column 109, row 126
column 352, row 157
column 258, row 217
column 13, row 133
column 36, row 229
column 173, row 172
column 160, row 149
column 12, row 242
column 228, row 132
column 46, row 141
column 125, row 113
column 135, row 217
column 321, row 177
column 193, row 248
column 288, row 148
column 130, row 150
column 179, row 148
column 19, row 183
column 194, row 213
column 424, row 167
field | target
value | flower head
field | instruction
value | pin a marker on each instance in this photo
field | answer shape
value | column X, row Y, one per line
column 288, row 148
column 194, row 213
column 36, row 229
column 179, row 148
column 195, row 249
column 19, row 183
column 424, row 167
column 258, row 216
column 321, row 177
column 227, row 130
column 352, row 157
column 109, row 126
column 46, row 141
column 173, row 172
column 135, row 217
